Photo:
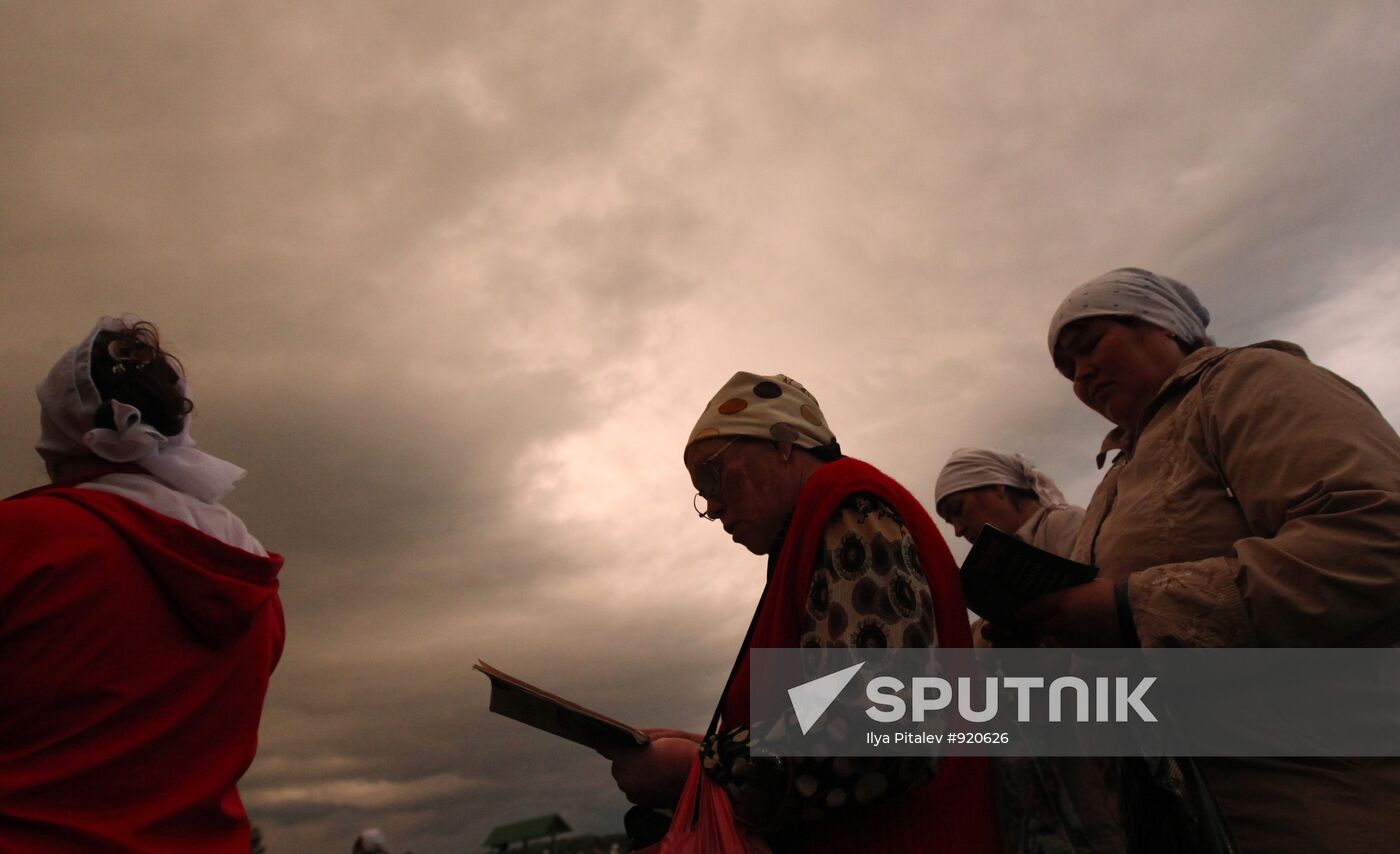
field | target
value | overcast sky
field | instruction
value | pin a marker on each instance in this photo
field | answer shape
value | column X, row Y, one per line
column 453, row 280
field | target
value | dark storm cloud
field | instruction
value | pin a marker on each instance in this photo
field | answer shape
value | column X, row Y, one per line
column 275, row 185
column 453, row 279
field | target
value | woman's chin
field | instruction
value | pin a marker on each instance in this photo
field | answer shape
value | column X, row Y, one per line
column 1115, row 415
column 748, row 543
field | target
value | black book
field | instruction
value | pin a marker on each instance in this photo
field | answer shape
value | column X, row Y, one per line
column 1002, row 574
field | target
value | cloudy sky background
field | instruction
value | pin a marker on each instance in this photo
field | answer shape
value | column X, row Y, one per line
column 453, row 280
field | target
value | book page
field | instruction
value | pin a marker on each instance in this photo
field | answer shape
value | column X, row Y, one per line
column 536, row 707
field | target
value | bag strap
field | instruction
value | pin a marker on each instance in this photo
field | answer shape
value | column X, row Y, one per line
column 738, row 661
column 713, row 728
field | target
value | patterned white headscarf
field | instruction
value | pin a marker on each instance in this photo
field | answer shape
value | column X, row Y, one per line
column 1132, row 292
column 68, row 401
column 970, row 468
column 776, row 408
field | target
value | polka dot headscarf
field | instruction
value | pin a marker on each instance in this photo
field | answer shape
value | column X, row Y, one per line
column 776, row 408
column 1131, row 292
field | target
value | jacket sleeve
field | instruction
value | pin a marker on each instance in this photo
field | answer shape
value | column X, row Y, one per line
column 1315, row 470
column 1058, row 531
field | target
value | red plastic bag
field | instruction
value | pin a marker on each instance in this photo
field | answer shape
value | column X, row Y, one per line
column 704, row 822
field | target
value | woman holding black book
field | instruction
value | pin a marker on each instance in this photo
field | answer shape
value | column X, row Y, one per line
column 1254, row 500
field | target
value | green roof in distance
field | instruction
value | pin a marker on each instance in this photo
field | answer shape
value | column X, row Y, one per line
column 530, row 828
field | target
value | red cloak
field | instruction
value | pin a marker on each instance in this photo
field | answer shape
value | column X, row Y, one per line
column 955, row 811
column 135, row 653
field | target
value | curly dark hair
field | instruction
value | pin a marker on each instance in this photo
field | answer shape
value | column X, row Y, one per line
column 129, row 365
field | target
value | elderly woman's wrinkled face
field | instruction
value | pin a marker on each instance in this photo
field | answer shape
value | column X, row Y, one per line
column 1117, row 364
column 747, row 486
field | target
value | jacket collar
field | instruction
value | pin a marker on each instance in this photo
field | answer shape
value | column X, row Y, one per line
column 1185, row 375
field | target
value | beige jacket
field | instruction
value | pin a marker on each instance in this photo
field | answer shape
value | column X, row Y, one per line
column 1053, row 529
column 1090, row 783
column 1260, row 506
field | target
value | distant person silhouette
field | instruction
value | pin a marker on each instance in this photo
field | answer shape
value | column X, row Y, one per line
column 370, row 842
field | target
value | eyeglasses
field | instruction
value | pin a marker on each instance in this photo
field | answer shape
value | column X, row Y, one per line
column 700, row 504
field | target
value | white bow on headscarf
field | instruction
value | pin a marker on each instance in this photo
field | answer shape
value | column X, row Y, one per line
column 68, row 401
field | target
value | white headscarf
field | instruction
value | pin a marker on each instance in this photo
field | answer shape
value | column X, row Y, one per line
column 970, row 468
column 68, row 401
column 1131, row 292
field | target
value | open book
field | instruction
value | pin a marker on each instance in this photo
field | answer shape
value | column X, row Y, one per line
column 521, row 701
column 1001, row 574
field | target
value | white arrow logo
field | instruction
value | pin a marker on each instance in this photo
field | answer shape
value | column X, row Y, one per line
column 811, row 699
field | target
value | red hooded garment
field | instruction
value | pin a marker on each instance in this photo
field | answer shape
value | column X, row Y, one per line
column 135, row 653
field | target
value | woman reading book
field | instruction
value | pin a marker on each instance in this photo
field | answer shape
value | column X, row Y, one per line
column 979, row 486
column 840, row 538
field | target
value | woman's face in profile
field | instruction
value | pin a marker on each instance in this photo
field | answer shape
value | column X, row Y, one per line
column 743, row 487
column 1117, row 365
column 969, row 510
